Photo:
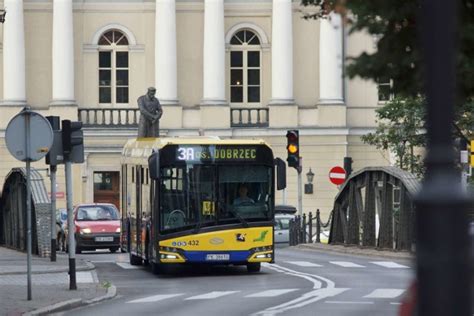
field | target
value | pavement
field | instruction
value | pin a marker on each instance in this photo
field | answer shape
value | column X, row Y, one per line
column 357, row 250
column 50, row 284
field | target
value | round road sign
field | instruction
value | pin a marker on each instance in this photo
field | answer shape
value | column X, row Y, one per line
column 29, row 136
column 337, row 175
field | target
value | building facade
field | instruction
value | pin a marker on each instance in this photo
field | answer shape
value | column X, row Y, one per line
column 228, row 68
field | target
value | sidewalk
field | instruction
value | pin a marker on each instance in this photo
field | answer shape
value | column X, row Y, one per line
column 354, row 250
column 50, row 283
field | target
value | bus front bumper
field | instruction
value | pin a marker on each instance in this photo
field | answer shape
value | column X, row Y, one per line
column 217, row 257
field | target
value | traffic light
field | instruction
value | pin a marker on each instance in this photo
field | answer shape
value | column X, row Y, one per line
column 293, row 148
column 73, row 141
column 55, row 155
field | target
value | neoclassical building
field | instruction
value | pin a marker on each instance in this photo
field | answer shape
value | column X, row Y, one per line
column 228, row 68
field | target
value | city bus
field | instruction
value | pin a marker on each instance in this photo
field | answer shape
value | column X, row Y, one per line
column 198, row 201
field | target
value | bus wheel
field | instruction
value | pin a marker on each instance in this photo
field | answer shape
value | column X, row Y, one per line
column 253, row 267
column 135, row 260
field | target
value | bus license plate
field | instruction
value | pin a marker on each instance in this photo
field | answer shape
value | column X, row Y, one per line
column 218, row 257
column 104, row 238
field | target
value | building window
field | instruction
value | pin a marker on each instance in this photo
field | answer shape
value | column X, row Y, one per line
column 245, row 68
column 113, row 68
column 385, row 89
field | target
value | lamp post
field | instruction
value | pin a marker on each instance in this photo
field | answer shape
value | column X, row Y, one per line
column 308, row 187
column 3, row 14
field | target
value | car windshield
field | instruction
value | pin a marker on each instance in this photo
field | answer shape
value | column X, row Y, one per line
column 97, row 213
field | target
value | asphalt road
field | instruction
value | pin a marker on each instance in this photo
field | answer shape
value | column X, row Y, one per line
column 300, row 283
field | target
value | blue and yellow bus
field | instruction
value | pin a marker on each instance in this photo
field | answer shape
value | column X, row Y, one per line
column 198, row 200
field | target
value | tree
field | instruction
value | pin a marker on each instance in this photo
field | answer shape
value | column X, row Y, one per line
column 398, row 57
column 400, row 130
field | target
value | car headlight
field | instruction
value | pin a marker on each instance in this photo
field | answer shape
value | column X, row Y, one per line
column 117, row 230
column 85, row 231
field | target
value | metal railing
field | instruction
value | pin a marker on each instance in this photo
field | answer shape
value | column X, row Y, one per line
column 249, row 117
column 302, row 228
column 104, row 117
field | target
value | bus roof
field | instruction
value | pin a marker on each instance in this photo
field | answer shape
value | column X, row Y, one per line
column 143, row 147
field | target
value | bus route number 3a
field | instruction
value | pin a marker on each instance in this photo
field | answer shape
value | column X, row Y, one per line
column 186, row 153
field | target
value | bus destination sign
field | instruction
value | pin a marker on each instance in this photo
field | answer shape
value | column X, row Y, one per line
column 216, row 153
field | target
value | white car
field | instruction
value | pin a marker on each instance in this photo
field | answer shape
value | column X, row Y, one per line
column 282, row 228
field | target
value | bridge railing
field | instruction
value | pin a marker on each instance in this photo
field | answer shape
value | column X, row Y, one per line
column 308, row 228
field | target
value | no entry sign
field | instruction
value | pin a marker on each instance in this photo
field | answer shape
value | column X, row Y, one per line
column 337, row 175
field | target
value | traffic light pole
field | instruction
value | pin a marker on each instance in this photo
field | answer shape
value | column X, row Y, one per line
column 300, row 189
column 71, row 228
column 53, row 212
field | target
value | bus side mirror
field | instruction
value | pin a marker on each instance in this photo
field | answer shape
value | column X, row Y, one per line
column 281, row 173
column 154, row 165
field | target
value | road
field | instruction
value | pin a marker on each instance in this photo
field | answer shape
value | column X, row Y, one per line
column 301, row 282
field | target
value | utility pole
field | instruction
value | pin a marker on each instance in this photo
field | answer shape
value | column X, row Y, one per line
column 443, row 272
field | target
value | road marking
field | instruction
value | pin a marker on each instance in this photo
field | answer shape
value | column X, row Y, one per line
column 271, row 293
column 393, row 303
column 125, row 265
column 346, row 264
column 304, row 263
column 390, row 264
column 154, row 298
column 211, row 295
column 318, row 293
column 347, row 302
column 385, row 293
column 102, row 261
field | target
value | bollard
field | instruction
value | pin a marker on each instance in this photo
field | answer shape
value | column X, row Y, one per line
column 310, row 223
column 318, row 226
column 303, row 230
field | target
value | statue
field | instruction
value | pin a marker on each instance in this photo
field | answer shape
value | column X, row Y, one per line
column 150, row 114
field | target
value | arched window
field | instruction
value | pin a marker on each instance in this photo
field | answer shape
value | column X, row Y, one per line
column 245, row 68
column 113, row 68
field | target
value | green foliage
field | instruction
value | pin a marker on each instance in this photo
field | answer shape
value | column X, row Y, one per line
column 398, row 56
column 400, row 130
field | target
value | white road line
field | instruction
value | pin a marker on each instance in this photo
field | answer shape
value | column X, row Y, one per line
column 154, row 298
column 346, row 264
column 304, row 264
column 347, row 302
column 127, row 266
column 394, row 303
column 102, row 261
column 211, row 295
column 271, row 293
column 385, row 293
column 390, row 264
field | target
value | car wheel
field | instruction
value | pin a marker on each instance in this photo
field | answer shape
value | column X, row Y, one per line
column 113, row 249
column 123, row 250
column 78, row 250
column 253, row 267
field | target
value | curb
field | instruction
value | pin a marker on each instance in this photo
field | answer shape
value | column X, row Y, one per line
column 88, row 267
column 73, row 303
column 357, row 251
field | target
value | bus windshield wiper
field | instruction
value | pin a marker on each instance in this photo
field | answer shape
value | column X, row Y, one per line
column 240, row 218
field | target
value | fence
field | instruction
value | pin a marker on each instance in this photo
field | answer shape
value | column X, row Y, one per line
column 302, row 228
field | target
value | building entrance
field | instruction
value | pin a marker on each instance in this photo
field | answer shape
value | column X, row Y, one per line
column 106, row 187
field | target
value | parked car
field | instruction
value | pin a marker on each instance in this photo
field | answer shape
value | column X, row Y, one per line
column 97, row 227
column 283, row 215
column 61, row 227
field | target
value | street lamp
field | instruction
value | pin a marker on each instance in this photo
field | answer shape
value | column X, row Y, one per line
column 308, row 187
column 3, row 13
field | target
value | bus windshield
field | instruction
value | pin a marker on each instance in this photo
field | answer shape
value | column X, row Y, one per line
column 199, row 195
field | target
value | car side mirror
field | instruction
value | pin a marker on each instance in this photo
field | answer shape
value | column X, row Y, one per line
column 154, row 165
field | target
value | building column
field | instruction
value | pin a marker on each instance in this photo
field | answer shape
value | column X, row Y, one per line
column 63, row 54
column 14, row 86
column 166, row 79
column 330, row 60
column 283, row 109
column 282, row 52
column 214, row 53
